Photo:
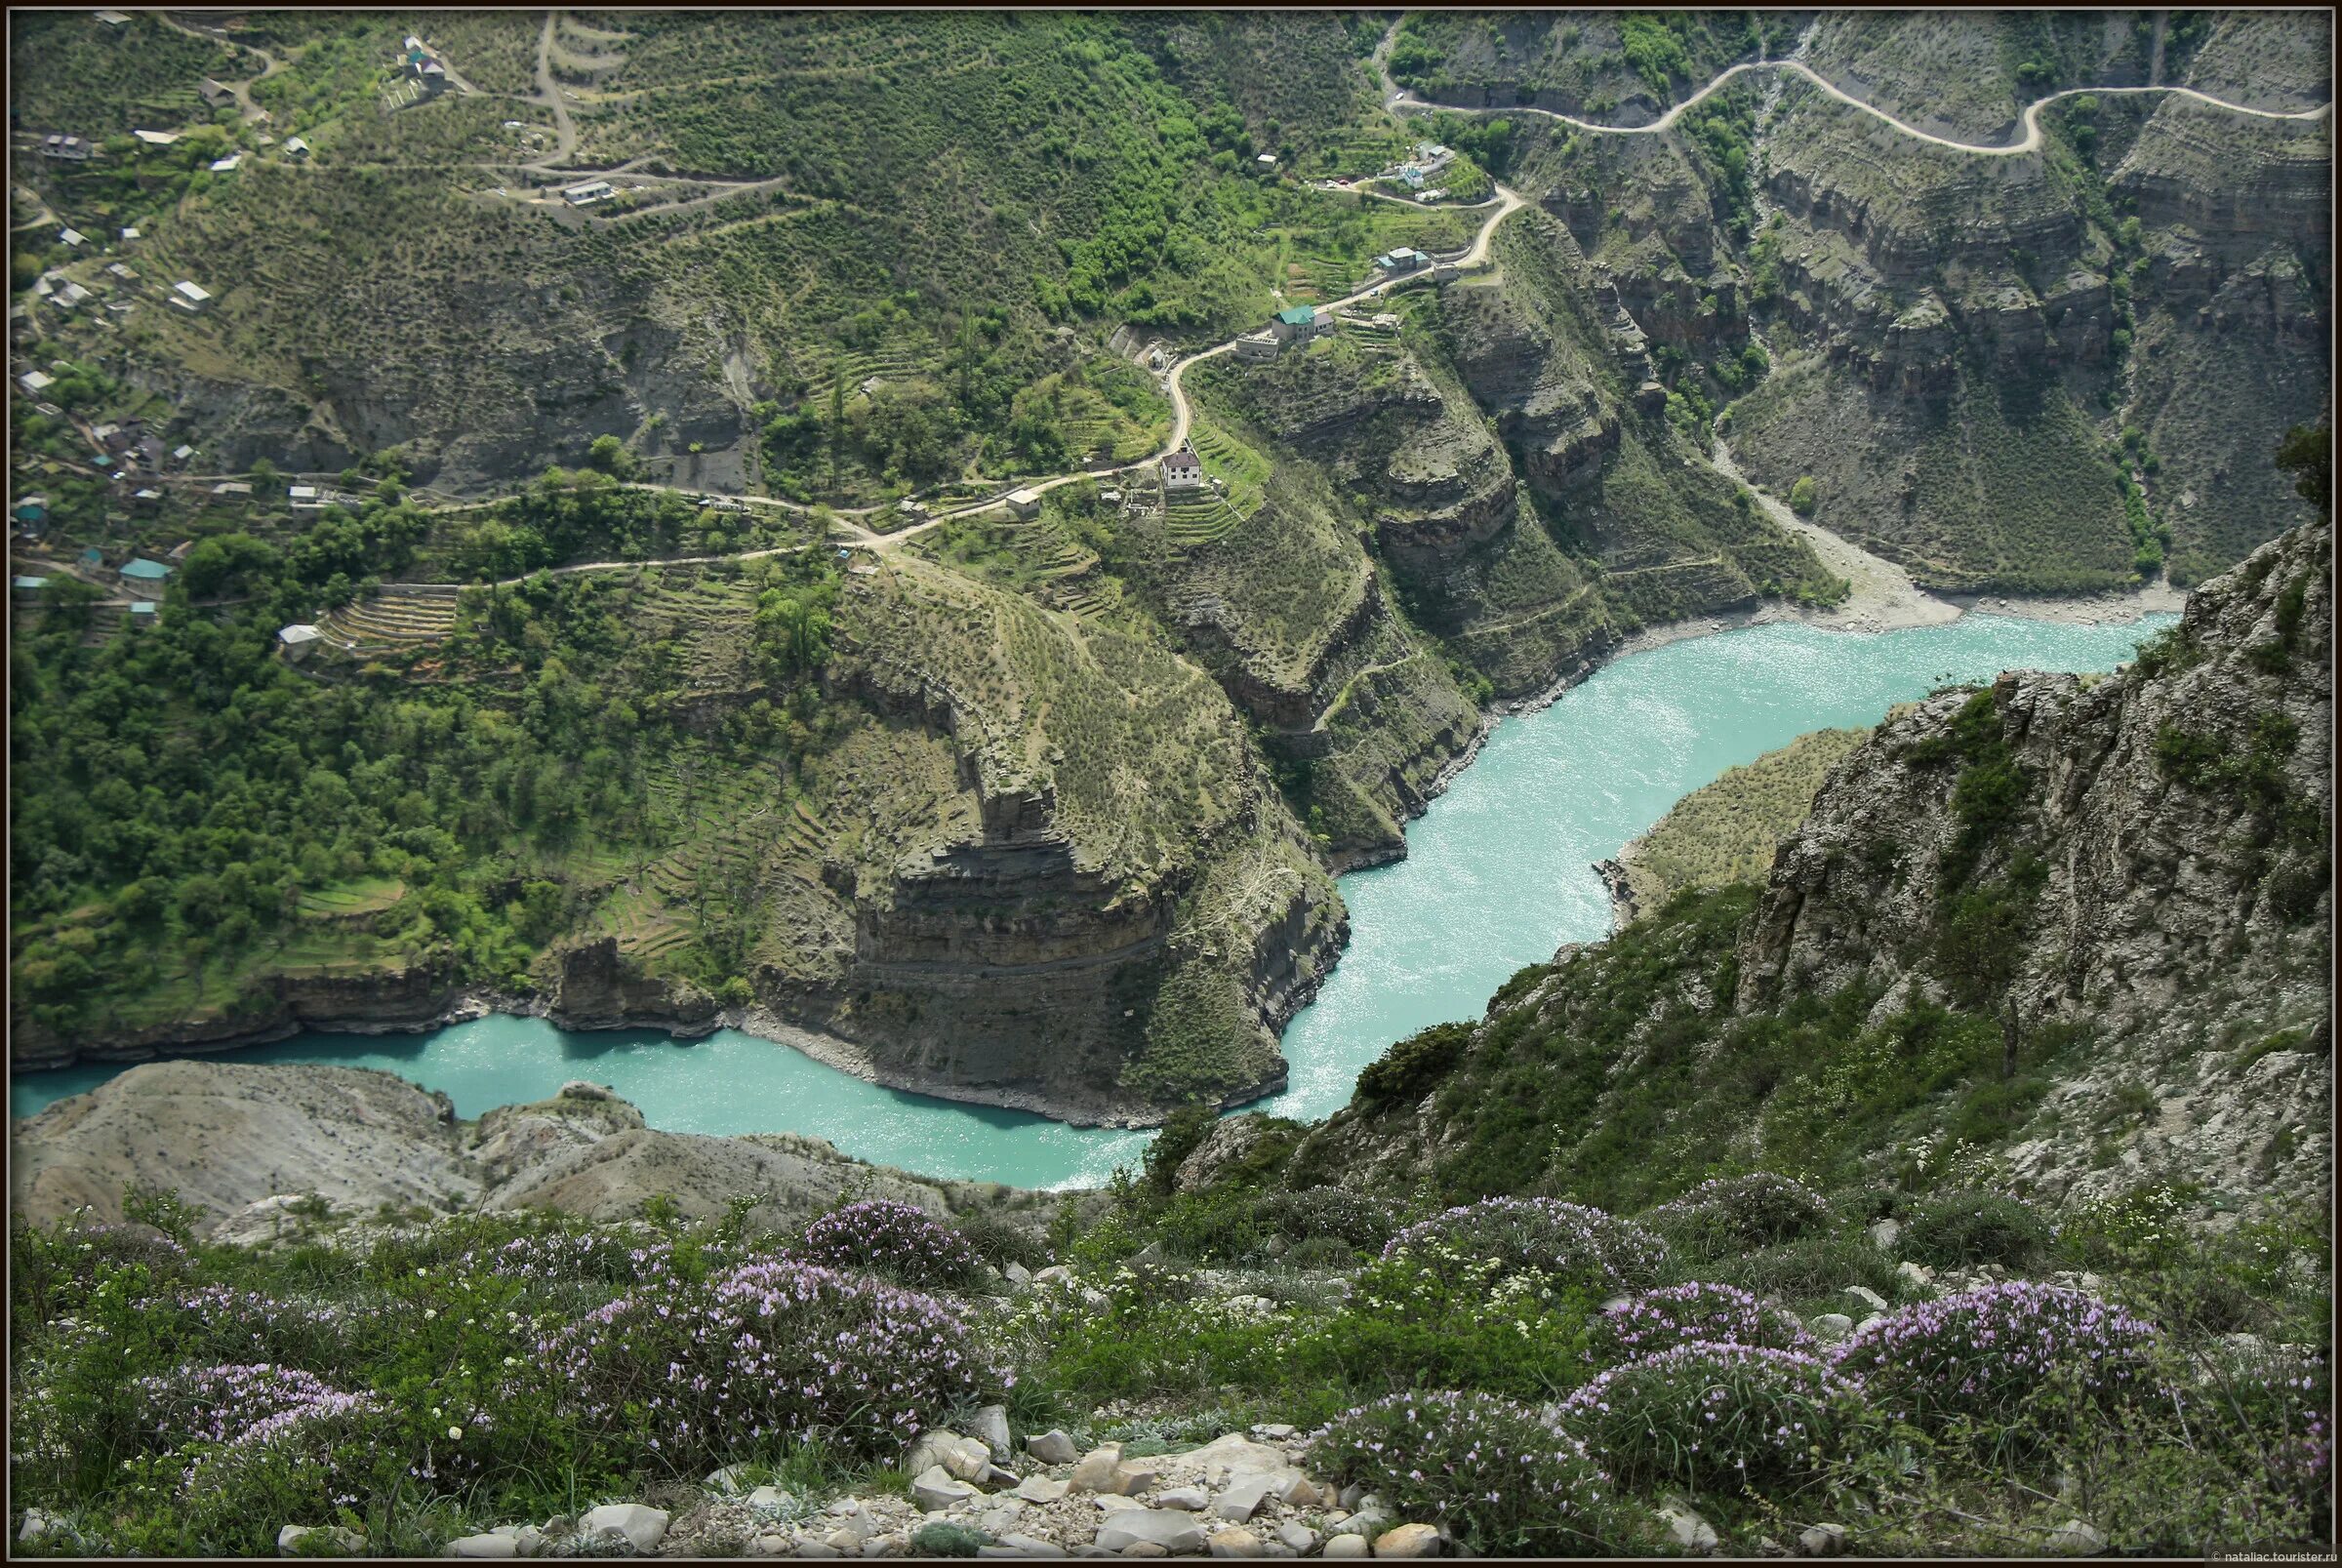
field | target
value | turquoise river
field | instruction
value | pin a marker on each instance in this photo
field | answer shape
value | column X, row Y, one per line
column 1499, row 873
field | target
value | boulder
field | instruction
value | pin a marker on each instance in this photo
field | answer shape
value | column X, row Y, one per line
column 991, row 1427
column 1052, row 1447
column 809, row 1546
column 1822, row 1540
column 643, row 1527
column 1019, row 1277
column 1344, row 1546
column 37, row 1524
column 1273, row 1429
column 1408, row 1541
column 1237, row 1542
column 938, row 1488
column 1189, row 1499
column 580, row 1089
column 1115, row 1503
column 1023, row 1545
column 487, row 1546
column 1166, row 1528
column 1868, row 1297
column 842, row 1541
column 1884, row 1233
column 1919, row 1274
column 1096, row 1470
column 726, row 1481
column 291, row 1540
column 1042, row 1489
column 1300, row 1537
column 771, row 1497
column 1830, row 1327
column 1146, row 1549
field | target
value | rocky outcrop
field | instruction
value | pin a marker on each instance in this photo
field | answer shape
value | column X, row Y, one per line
column 596, row 988
column 243, row 1144
column 2145, row 857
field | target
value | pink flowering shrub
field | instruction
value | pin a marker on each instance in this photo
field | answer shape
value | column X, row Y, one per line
column 53, row 1268
column 769, row 1350
column 1715, row 1416
column 1980, row 1352
column 1678, row 1314
column 1567, row 1243
column 315, row 1451
column 896, row 1239
column 1733, row 1214
column 1487, row 1467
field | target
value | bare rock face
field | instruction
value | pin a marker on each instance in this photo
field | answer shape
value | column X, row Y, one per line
column 597, row 988
column 228, row 1135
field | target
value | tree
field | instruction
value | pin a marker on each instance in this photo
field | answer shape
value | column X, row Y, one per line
column 1802, row 498
column 2306, row 453
column 609, row 455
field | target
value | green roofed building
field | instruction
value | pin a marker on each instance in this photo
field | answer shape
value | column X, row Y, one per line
column 142, row 570
column 1297, row 321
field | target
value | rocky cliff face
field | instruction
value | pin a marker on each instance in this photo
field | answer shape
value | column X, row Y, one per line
column 2147, row 855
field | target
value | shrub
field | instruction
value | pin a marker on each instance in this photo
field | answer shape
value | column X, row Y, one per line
column 1001, row 1241
column 216, row 1404
column 1355, row 1218
column 949, row 1540
column 1979, row 1352
column 1977, row 1228
column 1714, row 1415
column 310, row 1458
column 1734, row 1213
column 1485, row 1466
column 1679, row 1314
column 896, row 1239
column 1810, row 1268
column 769, row 1350
column 1567, row 1243
column 1433, row 1316
column 54, row 1266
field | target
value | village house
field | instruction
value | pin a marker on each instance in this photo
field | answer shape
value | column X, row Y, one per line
column 214, row 94
column 32, row 509
column 143, row 607
column 36, row 382
column 1259, row 346
column 157, row 139
column 112, row 19
column 69, row 148
column 93, row 559
column 297, row 640
column 1402, row 261
column 233, row 487
column 182, row 454
column 591, row 191
column 129, row 234
column 141, row 569
column 296, row 148
column 147, row 500
column 1024, row 502
column 192, row 297
column 1183, row 471
column 229, row 164
column 73, row 237
column 29, row 584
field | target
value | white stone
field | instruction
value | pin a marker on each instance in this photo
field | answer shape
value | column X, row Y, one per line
column 1023, row 1545
column 487, row 1546
column 1042, row 1489
column 338, row 1539
column 1830, row 1327
column 1689, row 1530
column 1408, row 1541
column 727, row 1480
column 37, row 1524
column 1915, row 1274
column 1822, row 1540
column 1190, row 1498
column 937, row 1488
column 1132, row 1479
column 844, row 1542
column 1300, row 1537
column 1095, row 1471
column 1243, row 1498
column 1867, row 1295
column 643, row 1527
column 814, row 1546
column 770, row 1497
column 1020, row 1276
column 1115, row 1503
column 1272, row 1429
column 1345, row 1546
column 2075, row 1539
column 1884, row 1233
column 1166, row 1528
column 1237, row 1542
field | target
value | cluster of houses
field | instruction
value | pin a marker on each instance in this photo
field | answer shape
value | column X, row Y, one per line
column 1429, row 160
column 425, row 68
column 1300, row 323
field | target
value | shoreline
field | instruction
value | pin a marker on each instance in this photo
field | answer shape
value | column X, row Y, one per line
column 1885, row 600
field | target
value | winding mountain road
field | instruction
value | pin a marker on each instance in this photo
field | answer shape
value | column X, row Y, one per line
column 1476, row 257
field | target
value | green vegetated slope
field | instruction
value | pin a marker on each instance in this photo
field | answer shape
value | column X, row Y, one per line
column 651, row 793
column 822, row 325
column 1727, row 831
column 1608, row 65
column 76, row 74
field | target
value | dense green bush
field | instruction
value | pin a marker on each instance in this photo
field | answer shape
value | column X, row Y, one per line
column 1487, row 1467
column 1977, row 1228
column 1715, row 1417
